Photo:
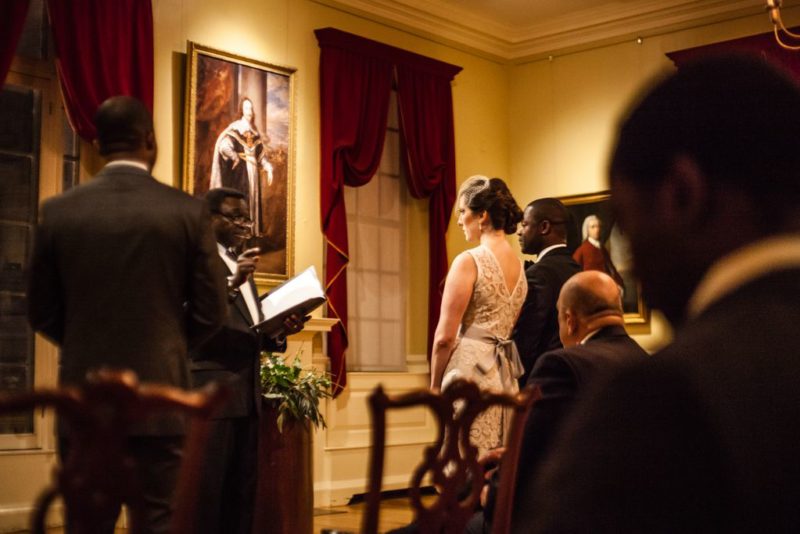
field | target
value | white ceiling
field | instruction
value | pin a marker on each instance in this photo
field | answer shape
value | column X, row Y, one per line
column 524, row 13
column 521, row 30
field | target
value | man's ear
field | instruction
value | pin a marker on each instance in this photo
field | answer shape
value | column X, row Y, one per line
column 572, row 321
column 150, row 140
column 683, row 196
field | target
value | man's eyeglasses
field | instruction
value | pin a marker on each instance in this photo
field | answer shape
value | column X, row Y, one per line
column 240, row 220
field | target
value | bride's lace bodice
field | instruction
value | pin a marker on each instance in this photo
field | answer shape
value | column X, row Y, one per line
column 492, row 307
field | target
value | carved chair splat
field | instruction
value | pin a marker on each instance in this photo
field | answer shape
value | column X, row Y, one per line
column 451, row 461
column 97, row 474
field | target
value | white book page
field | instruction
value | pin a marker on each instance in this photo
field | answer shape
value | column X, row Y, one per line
column 303, row 287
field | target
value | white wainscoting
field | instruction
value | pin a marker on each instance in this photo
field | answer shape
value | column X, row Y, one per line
column 24, row 475
column 341, row 451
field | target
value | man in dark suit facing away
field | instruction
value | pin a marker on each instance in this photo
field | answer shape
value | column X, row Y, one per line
column 543, row 232
column 702, row 436
column 124, row 274
column 232, row 356
column 591, row 328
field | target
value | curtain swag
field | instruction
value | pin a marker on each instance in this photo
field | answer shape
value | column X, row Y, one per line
column 356, row 79
column 103, row 49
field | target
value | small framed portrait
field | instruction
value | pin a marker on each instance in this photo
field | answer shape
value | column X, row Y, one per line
column 597, row 243
column 239, row 133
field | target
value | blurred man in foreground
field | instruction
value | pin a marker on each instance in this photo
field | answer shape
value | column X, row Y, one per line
column 702, row 436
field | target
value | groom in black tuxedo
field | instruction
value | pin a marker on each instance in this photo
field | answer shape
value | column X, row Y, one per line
column 543, row 232
column 233, row 356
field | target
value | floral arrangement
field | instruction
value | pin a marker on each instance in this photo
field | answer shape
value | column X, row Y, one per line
column 294, row 392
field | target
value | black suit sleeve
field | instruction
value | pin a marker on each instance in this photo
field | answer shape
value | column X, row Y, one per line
column 45, row 295
column 634, row 456
column 274, row 345
column 558, row 385
column 538, row 305
column 207, row 304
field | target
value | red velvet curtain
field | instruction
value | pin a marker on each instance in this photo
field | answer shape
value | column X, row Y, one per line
column 354, row 105
column 355, row 83
column 103, row 48
column 426, row 119
column 12, row 20
column 762, row 45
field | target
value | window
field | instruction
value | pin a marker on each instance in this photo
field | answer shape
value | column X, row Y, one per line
column 33, row 133
column 20, row 117
column 376, row 274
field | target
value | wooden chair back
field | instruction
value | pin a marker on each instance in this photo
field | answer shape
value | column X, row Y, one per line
column 451, row 461
column 97, row 475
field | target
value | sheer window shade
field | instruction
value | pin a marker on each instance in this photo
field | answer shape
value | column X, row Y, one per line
column 376, row 282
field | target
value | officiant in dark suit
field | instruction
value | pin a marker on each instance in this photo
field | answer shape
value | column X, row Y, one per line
column 233, row 356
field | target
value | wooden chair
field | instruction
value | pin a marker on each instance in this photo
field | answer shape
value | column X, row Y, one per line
column 97, row 475
column 452, row 460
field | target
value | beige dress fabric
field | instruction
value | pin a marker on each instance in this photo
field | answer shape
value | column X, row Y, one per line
column 493, row 310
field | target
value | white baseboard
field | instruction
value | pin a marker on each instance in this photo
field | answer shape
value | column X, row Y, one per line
column 17, row 518
column 340, row 492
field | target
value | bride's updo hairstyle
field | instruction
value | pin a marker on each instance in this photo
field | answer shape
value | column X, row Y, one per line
column 492, row 196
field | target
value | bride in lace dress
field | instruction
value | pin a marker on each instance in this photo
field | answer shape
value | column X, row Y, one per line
column 483, row 295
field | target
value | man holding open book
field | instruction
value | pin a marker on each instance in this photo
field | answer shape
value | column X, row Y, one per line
column 232, row 356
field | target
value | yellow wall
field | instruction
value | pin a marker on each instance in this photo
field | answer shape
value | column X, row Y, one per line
column 545, row 126
column 565, row 111
column 281, row 32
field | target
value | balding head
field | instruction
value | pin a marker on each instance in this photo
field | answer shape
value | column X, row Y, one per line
column 125, row 130
column 588, row 301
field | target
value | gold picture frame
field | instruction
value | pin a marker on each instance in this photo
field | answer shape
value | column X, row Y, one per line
column 250, row 147
column 616, row 249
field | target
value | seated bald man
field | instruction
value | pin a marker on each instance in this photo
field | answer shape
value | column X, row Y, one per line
column 591, row 328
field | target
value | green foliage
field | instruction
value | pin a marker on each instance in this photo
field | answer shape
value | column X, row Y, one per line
column 295, row 393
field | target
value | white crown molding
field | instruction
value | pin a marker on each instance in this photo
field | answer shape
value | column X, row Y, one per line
column 604, row 25
column 400, row 14
column 582, row 29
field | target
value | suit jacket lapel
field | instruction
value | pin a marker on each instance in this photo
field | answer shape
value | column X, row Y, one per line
column 252, row 287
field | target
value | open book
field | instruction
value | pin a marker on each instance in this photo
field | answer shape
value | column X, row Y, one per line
column 301, row 295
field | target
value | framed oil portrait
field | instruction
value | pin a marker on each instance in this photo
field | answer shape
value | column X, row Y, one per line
column 239, row 133
column 596, row 242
